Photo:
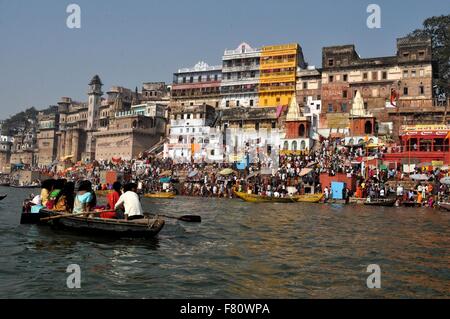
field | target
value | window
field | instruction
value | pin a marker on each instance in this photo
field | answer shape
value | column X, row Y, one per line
column 421, row 73
column 405, row 73
column 330, row 78
column 184, row 79
column 278, row 100
column 199, row 78
column 228, row 76
column 257, row 126
column 344, row 94
column 421, row 54
column 406, row 54
column 305, row 99
column 237, row 103
column 215, row 77
column 405, row 91
column 413, row 73
column 191, row 79
column 365, row 76
column 345, row 77
column 274, row 124
column 374, row 76
column 330, row 107
column 384, row 75
column 344, row 107
column 330, row 62
column 251, row 102
column 305, row 85
column 421, row 90
column 227, row 103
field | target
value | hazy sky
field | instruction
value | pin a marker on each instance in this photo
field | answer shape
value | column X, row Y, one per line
column 135, row 41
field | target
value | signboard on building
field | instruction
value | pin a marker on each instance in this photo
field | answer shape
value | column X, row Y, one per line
column 338, row 120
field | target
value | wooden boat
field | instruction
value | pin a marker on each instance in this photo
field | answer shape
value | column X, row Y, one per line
column 253, row 198
column 3, row 196
column 138, row 228
column 28, row 217
column 5, row 184
column 357, row 200
column 381, row 202
column 444, row 205
column 309, row 198
column 165, row 195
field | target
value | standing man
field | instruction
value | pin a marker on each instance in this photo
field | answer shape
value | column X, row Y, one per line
column 130, row 202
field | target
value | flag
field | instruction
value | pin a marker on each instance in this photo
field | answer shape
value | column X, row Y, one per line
column 448, row 135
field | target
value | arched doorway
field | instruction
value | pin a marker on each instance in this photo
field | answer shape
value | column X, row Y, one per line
column 285, row 145
column 302, row 145
column 301, row 130
column 294, row 146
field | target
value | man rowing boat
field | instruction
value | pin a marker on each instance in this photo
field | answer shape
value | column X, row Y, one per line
column 129, row 200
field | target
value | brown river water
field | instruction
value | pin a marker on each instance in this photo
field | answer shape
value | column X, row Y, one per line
column 240, row 250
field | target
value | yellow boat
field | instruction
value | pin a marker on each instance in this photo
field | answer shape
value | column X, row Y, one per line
column 253, row 198
column 165, row 195
column 309, row 198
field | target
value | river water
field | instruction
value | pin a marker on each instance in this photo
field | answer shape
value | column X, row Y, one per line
column 240, row 250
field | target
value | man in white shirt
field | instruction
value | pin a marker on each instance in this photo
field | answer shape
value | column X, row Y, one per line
column 131, row 203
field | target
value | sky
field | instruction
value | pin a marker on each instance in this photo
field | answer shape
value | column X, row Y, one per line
column 135, row 41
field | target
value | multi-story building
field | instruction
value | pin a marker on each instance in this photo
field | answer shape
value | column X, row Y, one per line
column 157, row 92
column 240, row 77
column 278, row 71
column 406, row 77
column 23, row 151
column 196, row 86
column 46, row 137
column 251, row 134
column 6, row 143
column 131, row 132
column 309, row 90
column 194, row 136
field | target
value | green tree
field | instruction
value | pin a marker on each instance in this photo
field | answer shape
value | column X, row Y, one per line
column 438, row 28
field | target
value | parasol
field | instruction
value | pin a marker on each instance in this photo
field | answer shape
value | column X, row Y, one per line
column 226, row 171
column 419, row 177
column 445, row 180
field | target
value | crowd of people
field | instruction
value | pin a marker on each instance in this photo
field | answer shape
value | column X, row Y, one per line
column 277, row 177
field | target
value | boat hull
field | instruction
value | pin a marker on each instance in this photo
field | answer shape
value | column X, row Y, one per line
column 160, row 195
column 105, row 227
column 309, row 198
column 253, row 198
column 385, row 202
column 33, row 218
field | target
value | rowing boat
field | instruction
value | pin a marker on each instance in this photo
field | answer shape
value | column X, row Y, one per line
column 2, row 197
column 165, row 195
column 137, row 228
column 381, row 202
column 309, row 198
column 444, row 205
column 253, row 198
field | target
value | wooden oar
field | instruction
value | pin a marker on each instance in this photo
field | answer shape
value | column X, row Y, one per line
column 184, row 218
column 62, row 216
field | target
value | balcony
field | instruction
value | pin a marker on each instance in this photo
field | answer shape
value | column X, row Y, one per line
column 286, row 88
column 268, row 65
column 240, row 68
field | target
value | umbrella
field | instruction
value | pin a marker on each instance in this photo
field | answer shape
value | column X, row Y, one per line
column 445, row 180
column 305, row 171
column 226, row 171
column 192, row 174
column 419, row 177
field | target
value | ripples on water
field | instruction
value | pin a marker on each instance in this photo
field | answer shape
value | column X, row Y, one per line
column 240, row 250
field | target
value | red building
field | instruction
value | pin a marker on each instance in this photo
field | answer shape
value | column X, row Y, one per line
column 422, row 144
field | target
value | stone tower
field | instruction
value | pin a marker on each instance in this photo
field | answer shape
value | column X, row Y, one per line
column 95, row 93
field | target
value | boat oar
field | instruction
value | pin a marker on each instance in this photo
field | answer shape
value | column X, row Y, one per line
column 62, row 216
column 184, row 218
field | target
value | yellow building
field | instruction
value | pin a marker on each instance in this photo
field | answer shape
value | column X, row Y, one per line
column 278, row 67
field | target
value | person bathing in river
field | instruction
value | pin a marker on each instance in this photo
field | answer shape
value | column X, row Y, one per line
column 129, row 200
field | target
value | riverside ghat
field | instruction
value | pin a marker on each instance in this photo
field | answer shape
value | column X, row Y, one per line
column 412, row 174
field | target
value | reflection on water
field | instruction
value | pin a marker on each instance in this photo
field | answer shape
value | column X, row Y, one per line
column 239, row 250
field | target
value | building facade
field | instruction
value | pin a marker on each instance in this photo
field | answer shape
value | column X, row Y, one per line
column 278, row 72
column 196, row 86
column 240, row 77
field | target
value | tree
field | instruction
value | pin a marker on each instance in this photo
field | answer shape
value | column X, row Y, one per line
column 438, row 28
